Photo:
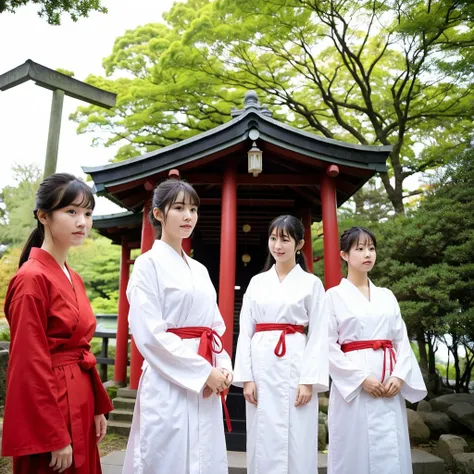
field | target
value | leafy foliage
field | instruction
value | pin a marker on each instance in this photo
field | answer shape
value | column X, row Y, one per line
column 427, row 260
column 389, row 72
column 52, row 10
column 8, row 268
column 17, row 203
column 98, row 263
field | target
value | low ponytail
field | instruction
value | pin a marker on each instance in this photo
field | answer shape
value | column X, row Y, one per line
column 156, row 224
column 301, row 260
column 34, row 240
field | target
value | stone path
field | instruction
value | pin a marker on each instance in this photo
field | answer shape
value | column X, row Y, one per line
column 423, row 463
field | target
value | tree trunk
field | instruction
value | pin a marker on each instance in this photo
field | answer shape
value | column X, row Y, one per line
column 420, row 339
column 431, row 359
column 456, row 368
column 447, row 373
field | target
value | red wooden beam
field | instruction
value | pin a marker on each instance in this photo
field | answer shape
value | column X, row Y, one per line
column 148, row 237
column 121, row 351
column 228, row 246
column 251, row 202
column 332, row 260
column 261, row 180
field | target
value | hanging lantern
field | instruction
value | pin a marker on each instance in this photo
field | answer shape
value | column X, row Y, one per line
column 255, row 160
column 246, row 228
column 246, row 259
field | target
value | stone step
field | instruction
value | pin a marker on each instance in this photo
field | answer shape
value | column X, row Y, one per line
column 126, row 393
column 119, row 427
column 423, row 463
column 113, row 462
column 124, row 403
column 121, row 415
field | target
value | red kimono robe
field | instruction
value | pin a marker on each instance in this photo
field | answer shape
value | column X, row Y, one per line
column 53, row 388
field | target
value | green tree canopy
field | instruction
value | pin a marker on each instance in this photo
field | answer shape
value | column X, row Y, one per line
column 98, row 263
column 427, row 260
column 52, row 10
column 156, row 106
column 8, row 267
column 17, row 204
column 375, row 72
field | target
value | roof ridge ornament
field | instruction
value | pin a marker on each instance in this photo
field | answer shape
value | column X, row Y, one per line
column 251, row 101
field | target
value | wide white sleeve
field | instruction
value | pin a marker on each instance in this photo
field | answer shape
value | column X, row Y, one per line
column 165, row 352
column 243, row 357
column 222, row 359
column 406, row 366
column 346, row 376
column 315, row 367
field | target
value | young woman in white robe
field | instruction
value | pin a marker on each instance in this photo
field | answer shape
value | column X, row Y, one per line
column 282, row 374
column 177, row 423
column 373, row 369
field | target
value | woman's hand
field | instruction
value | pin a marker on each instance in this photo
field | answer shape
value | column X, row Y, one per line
column 373, row 387
column 100, row 427
column 61, row 459
column 207, row 392
column 304, row 394
column 229, row 376
column 250, row 392
column 393, row 386
column 216, row 382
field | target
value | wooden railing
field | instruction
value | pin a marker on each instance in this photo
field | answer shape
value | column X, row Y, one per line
column 103, row 359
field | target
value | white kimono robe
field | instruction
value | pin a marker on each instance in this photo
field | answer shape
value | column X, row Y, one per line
column 368, row 435
column 174, row 430
column 282, row 439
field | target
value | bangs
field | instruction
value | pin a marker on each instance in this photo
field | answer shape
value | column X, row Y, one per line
column 76, row 193
column 280, row 231
column 365, row 239
column 282, row 227
column 362, row 237
column 189, row 194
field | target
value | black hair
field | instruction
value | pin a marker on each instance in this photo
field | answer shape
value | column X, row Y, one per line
column 166, row 194
column 354, row 235
column 290, row 226
column 55, row 192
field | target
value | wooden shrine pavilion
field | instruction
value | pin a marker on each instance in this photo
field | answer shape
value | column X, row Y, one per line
column 291, row 172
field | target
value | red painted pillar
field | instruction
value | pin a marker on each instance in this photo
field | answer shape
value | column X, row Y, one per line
column 332, row 260
column 148, row 237
column 227, row 266
column 121, row 350
column 308, row 241
column 187, row 245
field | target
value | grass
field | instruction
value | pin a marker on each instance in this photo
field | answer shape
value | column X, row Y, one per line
column 112, row 442
column 6, row 466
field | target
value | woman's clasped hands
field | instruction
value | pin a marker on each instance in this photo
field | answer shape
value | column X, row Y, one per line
column 219, row 380
column 389, row 388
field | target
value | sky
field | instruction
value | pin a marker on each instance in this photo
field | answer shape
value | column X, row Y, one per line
column 79, row 47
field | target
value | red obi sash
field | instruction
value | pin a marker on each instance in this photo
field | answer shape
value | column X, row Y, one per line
column 376, row 344
column 280, row 349
column 86, row 361
column 210, row 342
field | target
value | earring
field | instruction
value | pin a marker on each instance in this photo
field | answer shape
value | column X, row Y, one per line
column 298, row 252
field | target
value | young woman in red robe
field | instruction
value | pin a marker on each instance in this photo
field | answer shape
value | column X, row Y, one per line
column 55, row 402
